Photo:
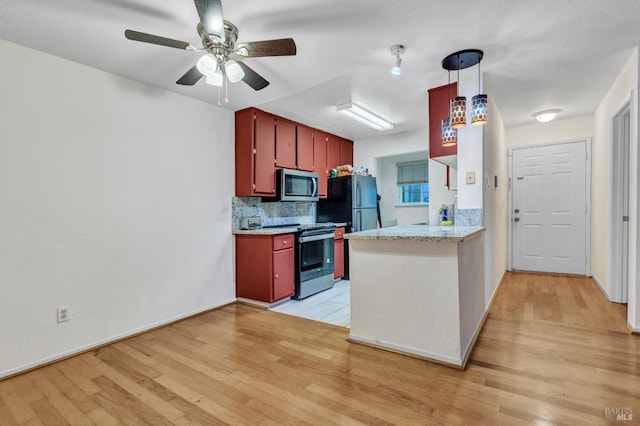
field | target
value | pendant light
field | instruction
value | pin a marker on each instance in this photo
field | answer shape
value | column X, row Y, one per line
column 449, row 134
column 458, row 108
column 479, row 105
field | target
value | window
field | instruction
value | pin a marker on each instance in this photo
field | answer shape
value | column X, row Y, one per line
column 413, row 183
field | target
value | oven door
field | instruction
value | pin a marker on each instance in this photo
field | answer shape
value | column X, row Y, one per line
column 315, row 257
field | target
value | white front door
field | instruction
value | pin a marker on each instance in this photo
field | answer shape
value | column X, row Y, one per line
column 549, row 208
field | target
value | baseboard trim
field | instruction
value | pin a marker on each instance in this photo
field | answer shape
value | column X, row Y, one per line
column 408, row 351
column 602, row 290
column 108, row 341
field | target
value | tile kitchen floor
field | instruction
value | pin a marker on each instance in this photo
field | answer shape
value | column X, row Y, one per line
column 331, row 306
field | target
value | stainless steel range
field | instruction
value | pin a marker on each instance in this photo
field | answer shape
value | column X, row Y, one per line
column 314, row 259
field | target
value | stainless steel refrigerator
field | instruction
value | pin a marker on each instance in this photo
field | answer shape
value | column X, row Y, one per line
column 350, row 199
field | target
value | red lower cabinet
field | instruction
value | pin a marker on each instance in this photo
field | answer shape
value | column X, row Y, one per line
column 264, row 267
column 338, row 254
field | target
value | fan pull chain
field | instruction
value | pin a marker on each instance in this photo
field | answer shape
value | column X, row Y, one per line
column 219, row 104
column 226, row 90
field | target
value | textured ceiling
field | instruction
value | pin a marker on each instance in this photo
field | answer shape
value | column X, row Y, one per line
column 537, row 54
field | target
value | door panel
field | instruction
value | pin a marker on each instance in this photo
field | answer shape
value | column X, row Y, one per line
column 549, row 208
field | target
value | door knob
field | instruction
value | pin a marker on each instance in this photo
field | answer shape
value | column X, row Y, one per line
column 517, row 219
column 516, row 211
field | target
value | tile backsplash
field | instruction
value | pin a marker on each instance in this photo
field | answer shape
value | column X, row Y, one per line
column 272, row 212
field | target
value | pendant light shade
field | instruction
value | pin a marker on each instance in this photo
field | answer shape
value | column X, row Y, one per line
column 479, row 109
column 449, row 135
column 458, row 112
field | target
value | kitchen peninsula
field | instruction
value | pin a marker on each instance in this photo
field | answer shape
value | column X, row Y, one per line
column 418, row 290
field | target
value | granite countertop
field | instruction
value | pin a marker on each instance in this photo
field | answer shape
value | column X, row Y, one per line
column 266, row 231
column 275, row 231
column 454, row 234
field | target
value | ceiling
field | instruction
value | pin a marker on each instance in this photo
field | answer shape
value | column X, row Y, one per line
column 537, row 54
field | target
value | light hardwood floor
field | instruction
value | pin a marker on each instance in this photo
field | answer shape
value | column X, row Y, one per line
column 552, row 351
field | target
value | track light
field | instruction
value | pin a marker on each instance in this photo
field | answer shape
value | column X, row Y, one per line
column 397, row 50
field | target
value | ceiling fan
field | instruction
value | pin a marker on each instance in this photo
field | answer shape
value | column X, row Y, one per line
column 223, row 55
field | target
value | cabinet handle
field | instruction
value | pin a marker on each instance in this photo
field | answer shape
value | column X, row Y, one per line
column 275, row 276
column 284, row 242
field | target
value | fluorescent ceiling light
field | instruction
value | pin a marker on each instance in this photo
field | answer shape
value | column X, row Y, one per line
column 363, row 116
column 547, row 115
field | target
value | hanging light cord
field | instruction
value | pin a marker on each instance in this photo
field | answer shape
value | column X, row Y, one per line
column 458, row 78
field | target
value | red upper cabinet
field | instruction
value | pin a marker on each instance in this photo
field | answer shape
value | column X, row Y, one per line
column 285, row 144
column 333, row 152
column 346, row 152
column 305, row 148
column 320, row 160
column 439, row 110
column 255, row 153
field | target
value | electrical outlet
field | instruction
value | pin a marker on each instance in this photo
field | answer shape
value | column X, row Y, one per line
column 64, row 314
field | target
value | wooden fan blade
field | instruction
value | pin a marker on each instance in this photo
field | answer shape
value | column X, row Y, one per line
column 210, row 12
column 191, row 77
column 278, row 47
column 252, row 78
column 154, row 39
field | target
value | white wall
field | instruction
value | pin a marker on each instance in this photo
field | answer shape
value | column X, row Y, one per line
column 625, row 83
column 111, row 194
column 371, row 152
column 554, row 131
column 470, row 141
column 495, row 203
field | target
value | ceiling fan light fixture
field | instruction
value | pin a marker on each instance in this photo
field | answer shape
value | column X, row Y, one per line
column 363, row 116
column 215, row 79
column 546, row 115
column 234, row 71
column 397, row 50
column 207, row 64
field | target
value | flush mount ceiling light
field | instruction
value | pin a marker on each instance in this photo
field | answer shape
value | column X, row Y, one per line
column 458, row 106
column 546, row 115
column 397, row 50
column 363, row 116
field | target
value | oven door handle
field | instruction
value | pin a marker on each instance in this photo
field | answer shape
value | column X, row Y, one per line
column 315, row 237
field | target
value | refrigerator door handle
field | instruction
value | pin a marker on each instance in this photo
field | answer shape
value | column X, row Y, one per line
column 358, row 194
column 358, row 221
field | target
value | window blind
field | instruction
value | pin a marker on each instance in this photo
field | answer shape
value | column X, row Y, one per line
column 413, row 172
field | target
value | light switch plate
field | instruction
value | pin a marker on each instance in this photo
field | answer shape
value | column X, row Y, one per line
column 470, row 178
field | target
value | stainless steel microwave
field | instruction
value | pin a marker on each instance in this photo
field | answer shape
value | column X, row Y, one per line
column 296, row 185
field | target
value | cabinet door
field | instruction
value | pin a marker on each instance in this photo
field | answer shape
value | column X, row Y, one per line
column 253, row 267
column 264, row 154
column 439, row 110
column 285, row 144
column 346, row 152
column 305, row 148
column 333, row 152
column 320, row 160
column 283, row 274
column 244, row 146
